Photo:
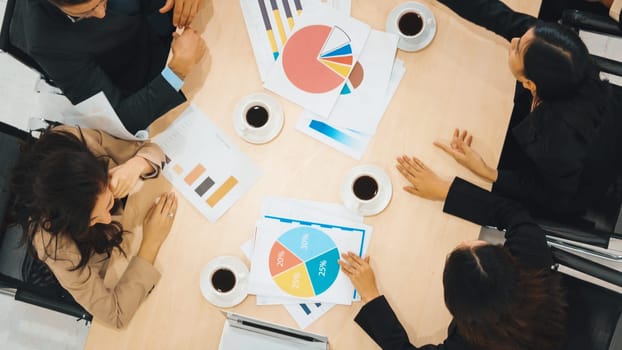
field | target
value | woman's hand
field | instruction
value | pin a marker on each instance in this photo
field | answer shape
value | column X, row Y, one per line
column 425, row 183
column 123, row 177
column 157, row 225
column 362, row 276
column 460, row 149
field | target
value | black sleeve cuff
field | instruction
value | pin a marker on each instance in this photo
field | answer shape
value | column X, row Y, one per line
column 464, row 200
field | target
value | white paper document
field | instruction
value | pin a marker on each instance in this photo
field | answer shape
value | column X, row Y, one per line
column 363, row 106
column 93, row 113
column 204, row 165
column 304, row 211
column 305, row 314
column 348, row 140
column 270, row 22
column 318, row 58
column 296, row 250
column 299, row 260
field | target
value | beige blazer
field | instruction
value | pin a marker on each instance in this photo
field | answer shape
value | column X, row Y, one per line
column 110, row 289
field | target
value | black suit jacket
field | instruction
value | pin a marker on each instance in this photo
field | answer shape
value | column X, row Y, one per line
column 120, row 55
column 525, row 240
column 570, row 144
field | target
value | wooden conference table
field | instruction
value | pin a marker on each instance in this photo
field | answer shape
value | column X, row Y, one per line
column 460, row 80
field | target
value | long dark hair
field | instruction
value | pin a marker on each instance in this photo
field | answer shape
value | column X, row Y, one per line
column 500, row 305
column 558, row 62
column 56, row 182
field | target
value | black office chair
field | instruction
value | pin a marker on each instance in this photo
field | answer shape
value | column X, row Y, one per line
column 594, row 312
column 21, row 56
column 21, row 274
column 596, row 23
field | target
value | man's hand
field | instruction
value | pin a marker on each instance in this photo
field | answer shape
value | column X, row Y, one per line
column 188, row 49
column 460, row 149
column 362, row 276
column 185, row 10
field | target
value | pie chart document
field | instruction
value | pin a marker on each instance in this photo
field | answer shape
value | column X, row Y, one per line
column 318, row 59
column 297, row 260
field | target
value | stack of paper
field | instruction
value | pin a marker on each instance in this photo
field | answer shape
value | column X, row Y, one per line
column 294, row 256
column 343, row 73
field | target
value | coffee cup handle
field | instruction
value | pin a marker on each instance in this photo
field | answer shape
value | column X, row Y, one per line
column 356, row 206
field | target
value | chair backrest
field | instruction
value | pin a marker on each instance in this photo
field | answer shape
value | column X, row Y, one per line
column 591, row 21
column 599, row 24
column 5, row 41
column 34, row 282
column 11, row 255
column 594, row 316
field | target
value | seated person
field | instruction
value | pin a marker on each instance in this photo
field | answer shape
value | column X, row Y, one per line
column 66, row 187
column 560, row 151
column 86, row 46
column 501, row 297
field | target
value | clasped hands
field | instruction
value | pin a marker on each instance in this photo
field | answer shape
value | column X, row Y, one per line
column 159, row 219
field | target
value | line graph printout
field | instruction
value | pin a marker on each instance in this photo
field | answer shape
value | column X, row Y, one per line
column 318, row 59
column 204, row 165
column 270, row 22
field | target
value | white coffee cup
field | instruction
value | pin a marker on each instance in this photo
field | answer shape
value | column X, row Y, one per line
column 258, row 118
column 410, row 23
column 366, row 190
column 224, row 281
column 413, row 23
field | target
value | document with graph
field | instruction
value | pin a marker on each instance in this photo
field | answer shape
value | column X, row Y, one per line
column 270, row 23
column 209, row 170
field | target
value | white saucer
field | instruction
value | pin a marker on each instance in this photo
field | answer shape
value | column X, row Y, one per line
column 265, row 133
column 419, row 41
column 376, row 204
column 234, row 296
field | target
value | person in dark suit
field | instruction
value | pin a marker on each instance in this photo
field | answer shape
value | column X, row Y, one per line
column 501, row 297
column 118, row 47
column 561, row 149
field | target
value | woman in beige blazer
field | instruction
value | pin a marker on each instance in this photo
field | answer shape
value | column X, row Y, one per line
column 67, row 187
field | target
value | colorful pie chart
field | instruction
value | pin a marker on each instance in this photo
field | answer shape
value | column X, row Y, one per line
column 354, row 80
column 318, row 58
column 303, row 262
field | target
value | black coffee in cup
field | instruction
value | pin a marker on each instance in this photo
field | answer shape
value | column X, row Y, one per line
column 257, row 116
column 365, row 187
column 410, row 24
column 223, row 280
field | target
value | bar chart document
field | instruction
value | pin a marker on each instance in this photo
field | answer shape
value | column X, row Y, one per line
column 204, row 165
